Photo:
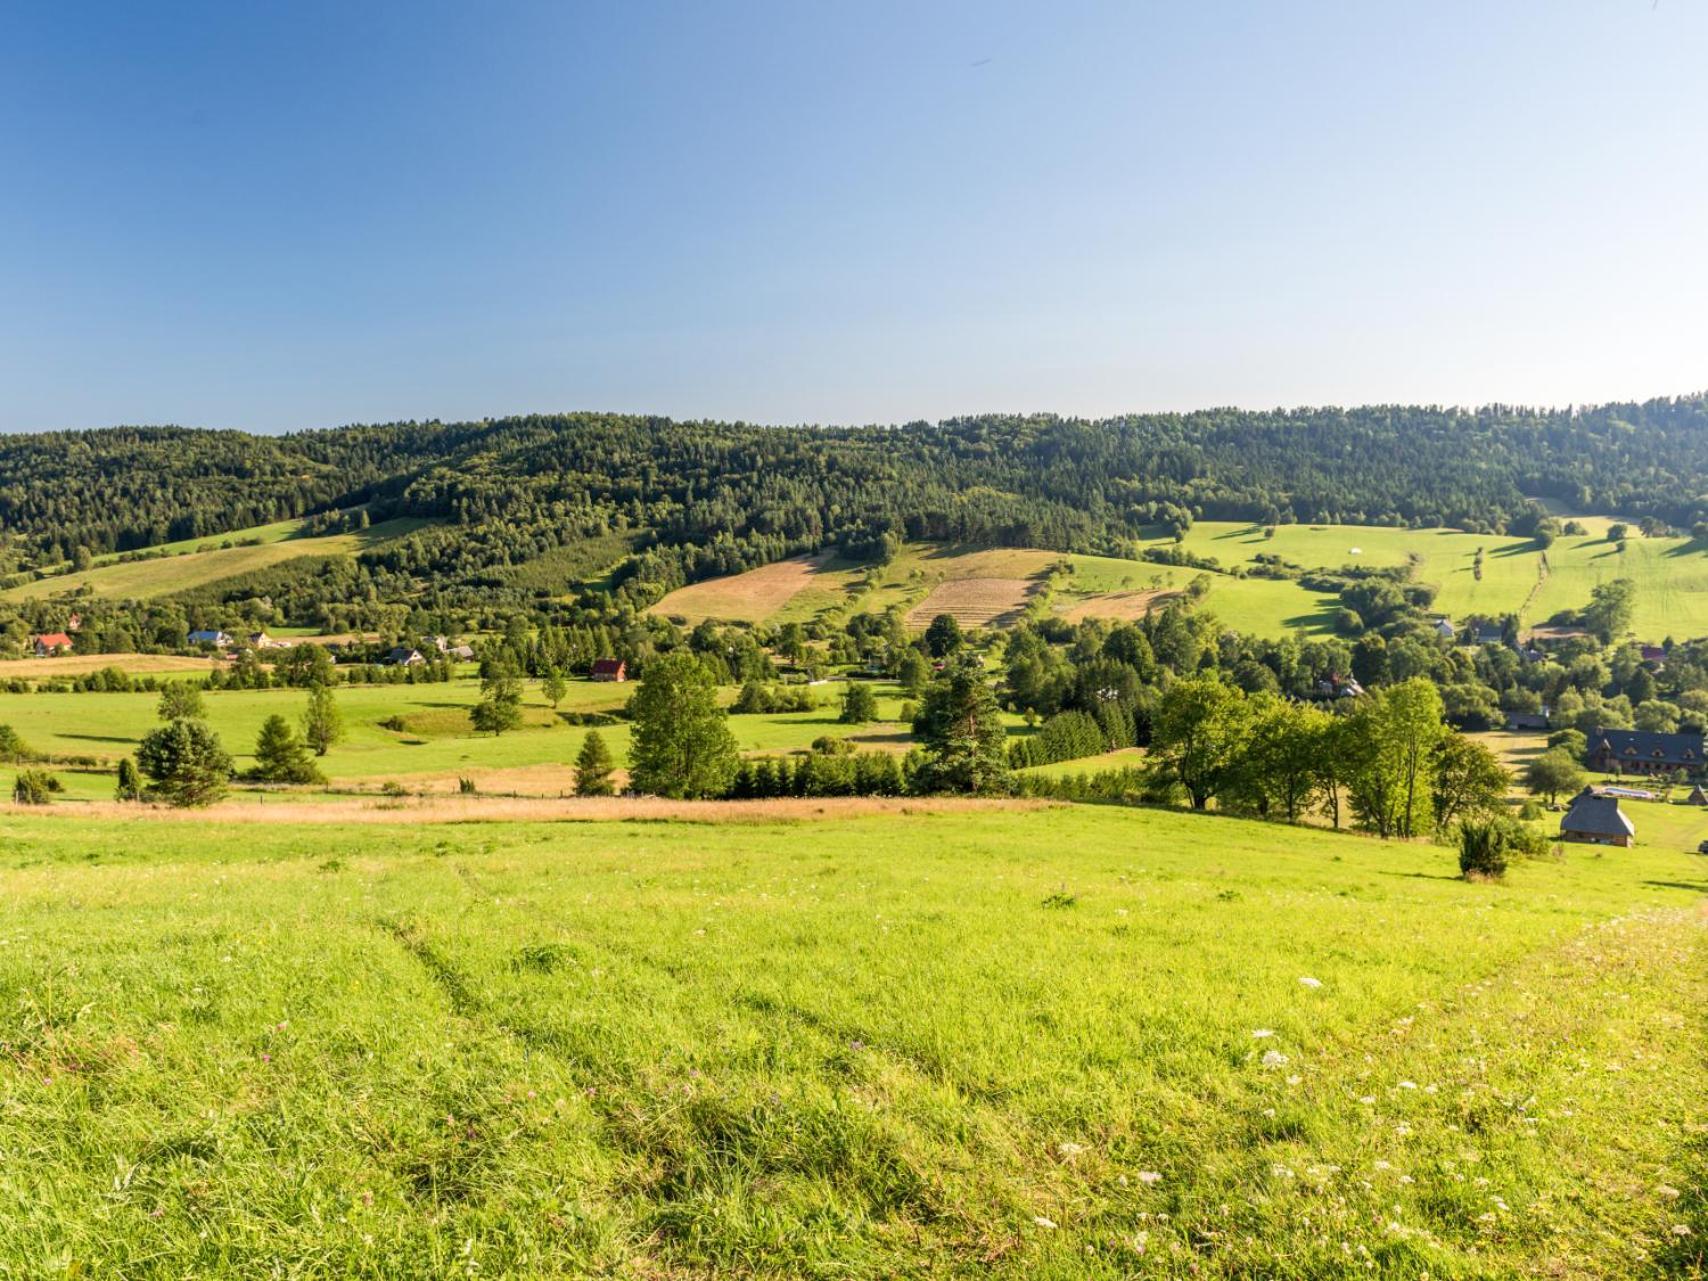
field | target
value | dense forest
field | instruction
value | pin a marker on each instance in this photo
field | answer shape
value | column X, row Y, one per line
column 678, row 501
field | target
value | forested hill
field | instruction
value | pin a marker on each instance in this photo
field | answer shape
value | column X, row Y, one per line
column 731, row 494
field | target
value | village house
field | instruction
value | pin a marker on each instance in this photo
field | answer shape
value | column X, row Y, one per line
column 1655, row 655
column 260, row 640
column 403, row 656
column 1527, row 722
column 1697, row 796
column 1596, row 819
column 50, row 643
column 1635, row 751
column 1444, row 628
column 207, row 636
column 610, row 669
column 463, row 653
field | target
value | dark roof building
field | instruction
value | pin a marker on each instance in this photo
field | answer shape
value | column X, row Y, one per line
column 610, row 669
column 403, row 656
column 1597, row 820
column 1636, row 751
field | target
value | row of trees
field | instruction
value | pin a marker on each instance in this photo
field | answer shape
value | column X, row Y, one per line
column 1391, row 759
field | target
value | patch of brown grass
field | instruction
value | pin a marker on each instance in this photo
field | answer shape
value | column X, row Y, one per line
column 80, row 664
column 1123, row 606
column 593, row 809
column 975, row 602
column 750, row 597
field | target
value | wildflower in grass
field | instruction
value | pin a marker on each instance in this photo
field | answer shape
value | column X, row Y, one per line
column 1367, row 1098
column 1149, row 1176
column 1669, row 1192
column 1068, row 1151
column 1274, row 1059
column 1042, row 1222
column 1408, row 1085
column 1680, row 1230
column 1294, row 1079
column 1308, row 981
column 1262, row 1032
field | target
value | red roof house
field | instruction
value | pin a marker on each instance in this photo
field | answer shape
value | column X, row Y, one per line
column 610, row 669
column 50, row 643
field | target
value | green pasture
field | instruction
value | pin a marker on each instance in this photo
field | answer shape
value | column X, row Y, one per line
column 198, row 562
column 435, row 738
column 1061, row 1043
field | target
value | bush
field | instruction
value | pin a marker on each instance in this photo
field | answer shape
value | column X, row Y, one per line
column 1487, row 845
column 35, row 787
column 1482, row 849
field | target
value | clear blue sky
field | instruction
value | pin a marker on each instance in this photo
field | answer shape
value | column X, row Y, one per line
column 302, row 214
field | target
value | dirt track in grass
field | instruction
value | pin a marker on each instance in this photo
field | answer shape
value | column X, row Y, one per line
column 475, row 809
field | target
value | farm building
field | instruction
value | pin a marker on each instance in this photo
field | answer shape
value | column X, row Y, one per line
column 1533, row 722
column 207, row 636
column 50, row 643
column 1697, row 796
column 403, row 656
column 1635, row 751
column 260, row 640
column 1596, row 819
column 610, row 669
column 1444, row 628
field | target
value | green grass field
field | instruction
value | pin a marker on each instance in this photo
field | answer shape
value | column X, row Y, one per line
column 435, row 745
column 198, row 562
column 1671, row 573
column 1072, row 1042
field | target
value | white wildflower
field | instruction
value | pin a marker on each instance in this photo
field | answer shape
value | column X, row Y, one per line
column 1274, row 1059
column 1149, row 1176
column 1310, row 982
column 1042, row 1222
column 1261, row 1033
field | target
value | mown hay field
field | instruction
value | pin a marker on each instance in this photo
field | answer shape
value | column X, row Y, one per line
column 1058, row 1043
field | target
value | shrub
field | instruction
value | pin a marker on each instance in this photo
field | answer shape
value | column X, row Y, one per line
column 1482, row 849
column 1487, row 845
column 35, row 787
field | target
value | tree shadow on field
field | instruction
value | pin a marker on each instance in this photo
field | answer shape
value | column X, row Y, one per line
column 1693, row 887
column 100, row 738
column 1421, row 876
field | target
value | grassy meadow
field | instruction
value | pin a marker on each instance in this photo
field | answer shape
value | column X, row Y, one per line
column 1045, row 1043
column 198, row 562
column 416, row 735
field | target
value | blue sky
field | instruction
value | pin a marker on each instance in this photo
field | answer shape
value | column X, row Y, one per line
column 274, row 216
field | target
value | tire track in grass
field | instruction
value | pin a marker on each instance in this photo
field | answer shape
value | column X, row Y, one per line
column 893, row 1079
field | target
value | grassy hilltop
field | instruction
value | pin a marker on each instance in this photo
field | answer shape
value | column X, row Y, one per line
column 1032, row 1043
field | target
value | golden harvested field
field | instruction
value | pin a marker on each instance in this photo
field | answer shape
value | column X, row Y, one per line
column 1125, row 606
column 975, row 602
column 38, row 669
column 751, row 597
